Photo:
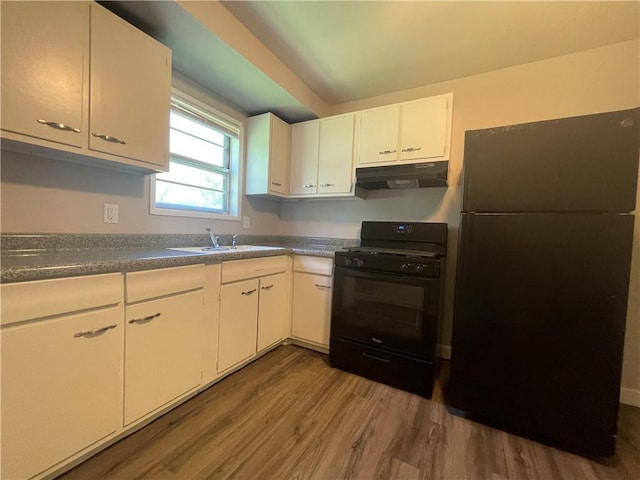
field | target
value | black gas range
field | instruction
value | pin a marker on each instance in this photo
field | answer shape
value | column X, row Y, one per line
column 387, row 304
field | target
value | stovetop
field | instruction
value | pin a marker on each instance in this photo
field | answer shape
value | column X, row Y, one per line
column 407, row 248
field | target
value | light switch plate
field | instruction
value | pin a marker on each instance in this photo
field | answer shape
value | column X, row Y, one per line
column 246, row 222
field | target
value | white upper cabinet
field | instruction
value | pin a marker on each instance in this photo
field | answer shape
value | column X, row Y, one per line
column 425, row 128
column 130, row 91
column 268, row 150
column 335, row 157
column 305, row 138
column 322, row 157
column 78, row 79
column 408, row 132
column 43, row 70
column 379, row 135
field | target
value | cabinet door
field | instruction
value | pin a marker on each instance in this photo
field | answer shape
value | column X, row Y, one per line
column 424, row 128
column 238, row 323
column 273, row 310
column 304, row 158
column 130, row 91
column 61, row 388
column 311, row 308
column 44, row 53
column 335, row 170
column 379, row 135
column 279, row 148
column 163, row 352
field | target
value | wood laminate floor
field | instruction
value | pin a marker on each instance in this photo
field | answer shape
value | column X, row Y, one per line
column 290, row 416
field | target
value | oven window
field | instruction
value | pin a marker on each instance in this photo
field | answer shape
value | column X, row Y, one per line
column 383, row 307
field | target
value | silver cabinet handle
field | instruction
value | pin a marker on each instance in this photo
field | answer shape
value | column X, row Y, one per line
column 58, row 126
column 327, row 185
column 249, row 292
column 386, row 152
column 93, row 333
column 267, row 287
column 277, row 184
column 411, row 149
column 376, row 340
column 308, row 185
column 147, row 319
column 322, row 286
column 108, row 138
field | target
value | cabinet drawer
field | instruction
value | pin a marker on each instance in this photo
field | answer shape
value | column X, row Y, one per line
column 43, row 298
column 254, row 267
column 165, row 281
column 309, row 264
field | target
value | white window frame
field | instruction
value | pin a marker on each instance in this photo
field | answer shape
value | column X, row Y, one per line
column 235, row 164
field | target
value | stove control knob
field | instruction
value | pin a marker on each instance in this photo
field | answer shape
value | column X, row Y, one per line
column 359, row 262
column 404, row 267
column 419, row 268
column 348, row 261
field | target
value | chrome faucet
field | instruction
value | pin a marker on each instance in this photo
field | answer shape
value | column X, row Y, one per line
column 214, row 238
column 233, row 241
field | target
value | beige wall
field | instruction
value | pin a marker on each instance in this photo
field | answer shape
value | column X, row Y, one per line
column 42, row 195
column 597, row 80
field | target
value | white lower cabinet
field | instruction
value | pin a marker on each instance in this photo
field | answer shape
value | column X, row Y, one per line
column 273, row 310
column 85, row 359
column 163, row 353
column 254, row 308
column 61, row 369
column 311, row 308
column 238, row 323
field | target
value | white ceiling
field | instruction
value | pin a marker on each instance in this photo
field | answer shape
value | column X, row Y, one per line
column 351, row 50
column 343, row 51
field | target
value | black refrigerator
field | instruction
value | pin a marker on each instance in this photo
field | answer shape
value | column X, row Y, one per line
column 542, row 279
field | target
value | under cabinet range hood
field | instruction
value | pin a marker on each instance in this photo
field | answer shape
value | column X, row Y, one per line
column 414, row 175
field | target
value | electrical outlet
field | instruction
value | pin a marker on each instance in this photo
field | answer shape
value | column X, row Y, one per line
column 110, row 213
column 246, row 222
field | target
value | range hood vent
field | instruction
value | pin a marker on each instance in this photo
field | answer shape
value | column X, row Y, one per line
column 415, row 175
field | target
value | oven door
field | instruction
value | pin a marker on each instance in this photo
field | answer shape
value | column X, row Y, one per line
column 389, row 311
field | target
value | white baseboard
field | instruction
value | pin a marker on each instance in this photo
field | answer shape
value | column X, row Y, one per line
column 443, row 351
column 630, row 396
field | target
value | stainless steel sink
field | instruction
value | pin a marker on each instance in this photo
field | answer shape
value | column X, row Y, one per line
column 222, row 249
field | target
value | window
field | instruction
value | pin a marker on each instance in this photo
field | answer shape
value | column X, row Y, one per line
column 203, row 177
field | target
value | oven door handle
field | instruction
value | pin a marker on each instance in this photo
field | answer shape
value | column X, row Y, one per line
column 375, row 357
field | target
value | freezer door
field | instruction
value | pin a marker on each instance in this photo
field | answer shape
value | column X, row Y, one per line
column 539, row 321
column 587, row 163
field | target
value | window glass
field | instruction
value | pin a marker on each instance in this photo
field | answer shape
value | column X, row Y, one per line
column 204, row 164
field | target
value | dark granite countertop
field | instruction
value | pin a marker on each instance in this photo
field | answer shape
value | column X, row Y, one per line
column 56, row 261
